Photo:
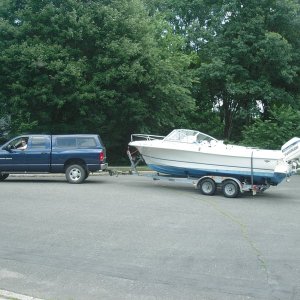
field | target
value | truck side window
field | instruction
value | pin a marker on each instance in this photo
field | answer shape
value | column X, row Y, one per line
column 66, row 142
column 86, row 142
column 19, row 143
column 38, row 143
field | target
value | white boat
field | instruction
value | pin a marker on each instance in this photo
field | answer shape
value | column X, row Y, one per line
column 190, row 153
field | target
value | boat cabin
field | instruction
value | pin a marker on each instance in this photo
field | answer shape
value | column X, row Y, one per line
column 188, row 136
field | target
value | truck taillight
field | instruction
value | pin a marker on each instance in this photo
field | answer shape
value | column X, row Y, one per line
column 101, row 156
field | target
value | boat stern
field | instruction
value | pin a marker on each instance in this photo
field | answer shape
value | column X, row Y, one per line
column 282, row 171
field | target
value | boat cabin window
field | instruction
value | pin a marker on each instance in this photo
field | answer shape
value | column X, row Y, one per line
column 188, row 136
column 204, row 137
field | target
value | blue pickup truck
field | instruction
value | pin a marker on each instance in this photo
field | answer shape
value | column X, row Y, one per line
column 75, row 155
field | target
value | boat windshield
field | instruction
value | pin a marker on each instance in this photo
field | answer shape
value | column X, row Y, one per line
column 188, row 136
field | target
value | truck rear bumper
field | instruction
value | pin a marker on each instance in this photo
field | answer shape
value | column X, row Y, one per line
column 103, row 166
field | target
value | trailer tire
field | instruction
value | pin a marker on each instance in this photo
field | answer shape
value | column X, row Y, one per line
column 75, row 173
column 230, row 188
column 207, row 186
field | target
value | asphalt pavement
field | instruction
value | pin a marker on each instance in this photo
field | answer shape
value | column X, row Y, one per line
column 129, row 237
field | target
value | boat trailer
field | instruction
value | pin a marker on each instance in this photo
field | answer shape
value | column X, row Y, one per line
column 208, row 185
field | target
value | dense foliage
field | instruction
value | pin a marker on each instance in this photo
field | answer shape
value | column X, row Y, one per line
column 283, row 123
column 117, row 67
column 248, row 55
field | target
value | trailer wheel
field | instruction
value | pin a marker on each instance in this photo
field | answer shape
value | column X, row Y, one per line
column 207, row 186
column 3, row 176
column 230, row 188
column 75, row 174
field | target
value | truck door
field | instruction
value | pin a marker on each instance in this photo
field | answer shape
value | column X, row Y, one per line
column 38, row 154
column 13, row 159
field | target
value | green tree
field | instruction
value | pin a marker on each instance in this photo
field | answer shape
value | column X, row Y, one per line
column 91, row 66
column 248, row 54
column 283, row 124
column 251, row 60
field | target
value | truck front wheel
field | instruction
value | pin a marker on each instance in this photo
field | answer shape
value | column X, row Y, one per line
column 75, row 174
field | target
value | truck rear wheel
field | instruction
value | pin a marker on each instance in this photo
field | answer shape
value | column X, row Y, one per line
column 3, row 176
column 75, row 174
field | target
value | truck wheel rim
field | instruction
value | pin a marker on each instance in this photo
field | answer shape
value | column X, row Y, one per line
column 75, row 174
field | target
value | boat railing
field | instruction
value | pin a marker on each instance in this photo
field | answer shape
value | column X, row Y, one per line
column 147, row 137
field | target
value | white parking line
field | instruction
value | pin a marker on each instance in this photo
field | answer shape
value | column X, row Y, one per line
column 6, row 295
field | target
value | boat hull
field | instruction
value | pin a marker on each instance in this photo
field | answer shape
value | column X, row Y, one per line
column 273, row 178
column 245, row 164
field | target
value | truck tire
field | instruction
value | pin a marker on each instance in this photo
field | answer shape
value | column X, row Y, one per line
column 207, row 186
column 75, row 174
column 3, row 176
column 230, row 189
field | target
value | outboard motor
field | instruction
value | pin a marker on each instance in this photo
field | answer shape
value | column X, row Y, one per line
column 291, row 151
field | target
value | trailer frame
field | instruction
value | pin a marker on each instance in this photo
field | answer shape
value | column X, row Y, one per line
column 208, row 184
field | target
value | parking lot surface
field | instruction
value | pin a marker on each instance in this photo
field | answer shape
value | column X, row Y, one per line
column 129, row 237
